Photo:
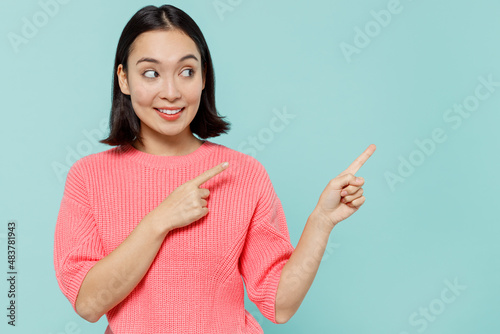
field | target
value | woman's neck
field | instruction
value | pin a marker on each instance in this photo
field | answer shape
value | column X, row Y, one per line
column 171, row 147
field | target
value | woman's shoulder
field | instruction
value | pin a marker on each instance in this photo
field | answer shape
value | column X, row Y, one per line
column 239, row 160
column 235, row 155
column 96, row 160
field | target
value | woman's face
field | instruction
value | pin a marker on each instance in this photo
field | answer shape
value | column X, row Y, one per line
column 164, row 80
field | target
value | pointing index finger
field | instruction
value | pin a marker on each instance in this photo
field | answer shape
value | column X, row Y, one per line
column 356, row 165
column 209, row 173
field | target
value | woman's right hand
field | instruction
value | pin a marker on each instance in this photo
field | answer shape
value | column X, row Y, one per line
column 186, row 204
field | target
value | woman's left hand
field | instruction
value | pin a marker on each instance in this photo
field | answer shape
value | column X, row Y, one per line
column 343, row 195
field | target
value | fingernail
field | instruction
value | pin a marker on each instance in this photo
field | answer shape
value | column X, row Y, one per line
column 358, row 179
column 343, row 193
column 225, row 164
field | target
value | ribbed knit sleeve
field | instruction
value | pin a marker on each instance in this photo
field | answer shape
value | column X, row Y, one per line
column 267, row 248
column 77, row 246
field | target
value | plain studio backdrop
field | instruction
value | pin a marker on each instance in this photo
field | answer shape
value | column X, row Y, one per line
column 307, row 87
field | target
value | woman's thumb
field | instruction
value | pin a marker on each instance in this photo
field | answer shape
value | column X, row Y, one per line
column 344, row 180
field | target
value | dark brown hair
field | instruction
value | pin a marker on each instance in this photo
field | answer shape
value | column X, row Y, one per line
column 124, row 124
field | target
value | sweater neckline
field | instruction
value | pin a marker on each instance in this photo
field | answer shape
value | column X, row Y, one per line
column 165, row 161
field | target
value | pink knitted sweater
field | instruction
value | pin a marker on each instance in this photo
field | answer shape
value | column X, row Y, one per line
column 195, row 284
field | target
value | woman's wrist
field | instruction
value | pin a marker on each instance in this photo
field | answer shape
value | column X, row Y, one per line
column 321, row 220
column 156, row 227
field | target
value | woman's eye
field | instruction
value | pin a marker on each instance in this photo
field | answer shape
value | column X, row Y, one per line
column 187, row 72
column 150, row 74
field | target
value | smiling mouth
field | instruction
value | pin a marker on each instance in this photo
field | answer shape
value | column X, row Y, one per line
column 170, row 112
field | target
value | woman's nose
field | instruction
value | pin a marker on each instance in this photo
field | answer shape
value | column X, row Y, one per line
column 169, row 90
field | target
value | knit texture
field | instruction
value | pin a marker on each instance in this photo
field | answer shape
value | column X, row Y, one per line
column 195, row 283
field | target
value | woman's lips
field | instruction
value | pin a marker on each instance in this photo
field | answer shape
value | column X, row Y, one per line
column 169, row 117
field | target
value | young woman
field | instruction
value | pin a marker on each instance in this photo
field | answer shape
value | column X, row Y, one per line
column 158, row 232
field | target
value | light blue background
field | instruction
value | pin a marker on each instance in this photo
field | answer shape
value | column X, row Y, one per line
column 388, row 260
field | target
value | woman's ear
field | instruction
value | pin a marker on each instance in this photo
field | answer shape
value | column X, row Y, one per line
column 204, row 76
column 122, row 80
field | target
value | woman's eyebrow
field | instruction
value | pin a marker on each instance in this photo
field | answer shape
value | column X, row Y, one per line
column 189, row 56
column 152, row 60
column 147, row 59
